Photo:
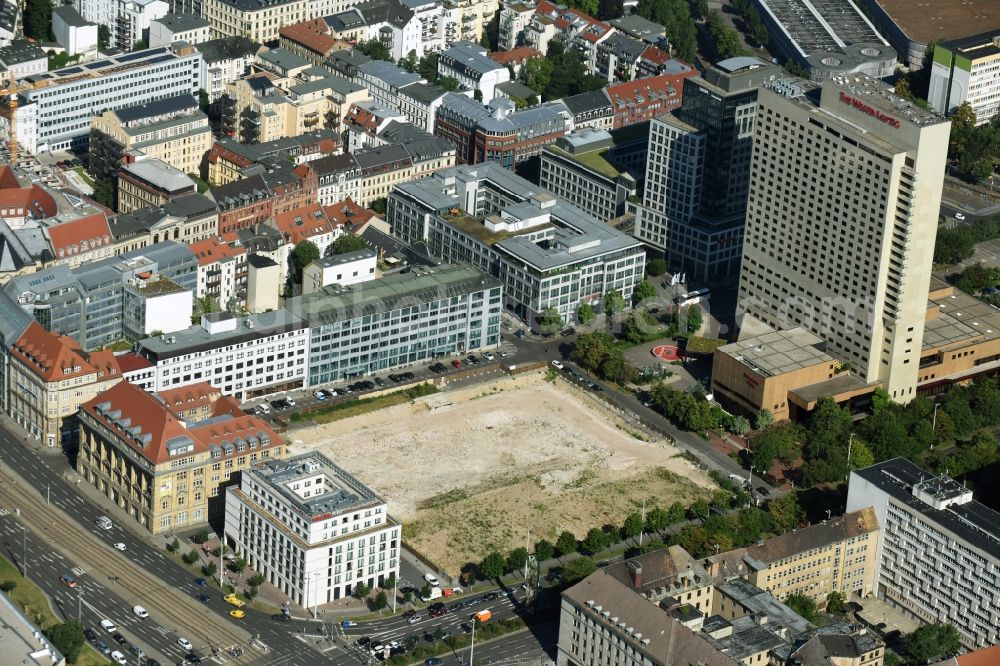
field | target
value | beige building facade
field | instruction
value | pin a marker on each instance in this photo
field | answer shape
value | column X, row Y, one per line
column 257, row 20
column 845, row 193
column 166, row 459
column 49, row 378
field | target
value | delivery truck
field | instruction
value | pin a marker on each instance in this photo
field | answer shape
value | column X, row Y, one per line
column 482, row 616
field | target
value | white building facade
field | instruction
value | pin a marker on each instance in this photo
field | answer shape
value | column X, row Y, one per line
column 314, row 531
column 938, row 551
column 245, row 357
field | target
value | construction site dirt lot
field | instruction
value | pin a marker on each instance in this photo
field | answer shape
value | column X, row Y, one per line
column 473, row 469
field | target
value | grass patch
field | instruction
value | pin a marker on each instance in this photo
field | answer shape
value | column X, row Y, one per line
column 349, row 408
column 699, row 345
column 28, row 596
column 85, row 176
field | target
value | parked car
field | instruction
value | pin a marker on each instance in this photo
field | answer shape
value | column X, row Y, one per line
column 959, row 216
column 557, row 364
column 380, row 381
column 319, row 395
column 520, row 333
column 290, row 401
column 456, row 363
column 329, row 393
column 234, row 600
column 473, row 360
column 489, row 356
column 568, row 332
column 281, row 617
column 431, row 578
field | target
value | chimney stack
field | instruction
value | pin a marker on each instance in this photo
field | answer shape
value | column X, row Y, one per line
column 635, row 573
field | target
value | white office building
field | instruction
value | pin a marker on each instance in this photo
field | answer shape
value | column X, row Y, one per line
column 179, row 28
column 938, row 551
column 343, row 269
column 72, row 32
column 128, row 20
column 62, row 101
column 547, row 253
column 245, row 357
column 314, row 531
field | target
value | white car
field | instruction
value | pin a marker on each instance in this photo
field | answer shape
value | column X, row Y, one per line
column 489, row 356
column 959, row 216
column 120, row 546
column 118, row 657
column 185, row 644
column 557, row 365
column 109, row 626
column 140, row 612
column 290, row 401
column 431, row 578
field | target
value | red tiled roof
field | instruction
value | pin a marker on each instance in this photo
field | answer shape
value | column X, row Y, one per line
column 193, row 396
column 546, row 7
column 312, row 34
column 303, row 223
column 212, row 250
column 520, row 54
column 656, row 55
column 653, row 87
column 131, row 362
column 346, row 211
column 986, row 657
column 147, row 425
column 106, row 363
column 79, row 235
column 8, row 180
column 52, row 357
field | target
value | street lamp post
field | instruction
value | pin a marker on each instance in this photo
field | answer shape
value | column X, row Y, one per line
column 24, row 550
column 395, row 582
column 79, row 603
column 472, row 648
column 850, row 445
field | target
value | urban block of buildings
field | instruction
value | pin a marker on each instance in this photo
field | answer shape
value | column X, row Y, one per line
column 128, row 20
column 314, row 531
column 472, row 67
column 547, row 253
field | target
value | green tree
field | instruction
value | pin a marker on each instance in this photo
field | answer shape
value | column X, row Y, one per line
column 237, row 565
column 675, row 513
column 38, row 20
column 656, row 267
column 566, row 543
column 595, row 541
column 652, row 545
column 700, row 509
column 614, row 302
column 861, row 455
column 190, row 557
column 786, row 512
column 449, row 83
column 375, row 49
column 544, row 550
column 891, row 659
column 346, row 243
column 537, row 73
column 932, row 641
column 804, row 606
column 493, row 566
column 550, row 321
column 694, row 540
column 251, row 592
column 104, row 193
column 739, row 425
column 361, row 590
column 633, row 525
column 425, row 591
column 428, row 66
column 103, row 36
column 381, row 600
column 68, row 638
column 578, row 568
column 835, row 603
column 693, row 316
column 304, row 254
column 585, row 313
column 763, row 419
column 390, row 581
column 209, row 569
column 410, row 62
column 657, row 520
column 643, row 290
column 517, row 558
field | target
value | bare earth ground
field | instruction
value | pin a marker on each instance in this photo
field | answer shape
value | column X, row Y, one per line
column 471, row 470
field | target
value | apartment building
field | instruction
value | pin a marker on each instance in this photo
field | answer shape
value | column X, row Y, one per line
column 314, row 531
column 836, row 555
column 595, row 171
column 638, row 101
column 344, row 269
column 22, row 58
column 87, row 303
column 145, row 182
column 310, row 39
column 591, row 109
column 339, row 178
column 186, row 219
column 230, row 160
column 180, row 27
column 307, row 223
column 669, row 574
column 224, row 60
column 173, row 130
column 384, row 80
column 862, row 287
column 165, row 459
column 242, row 356
column 49, row 378
column 419, row 102
column 447, row 309
column 58, row 105
column 243, row 204
column 603, row 621
column 222, row 272
column 938, row 551
column 257, row 20
column 128, row 20
column 694, row 205
column 967, row 70
column 78, row 240
column 547, row 253
column 472, row 67
column 514, row 18
column 72, row 31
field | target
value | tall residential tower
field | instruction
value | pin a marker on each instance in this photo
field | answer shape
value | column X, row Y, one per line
column 842, row 213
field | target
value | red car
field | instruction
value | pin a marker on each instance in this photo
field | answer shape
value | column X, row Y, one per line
column 457, row 363
column 67, row 580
